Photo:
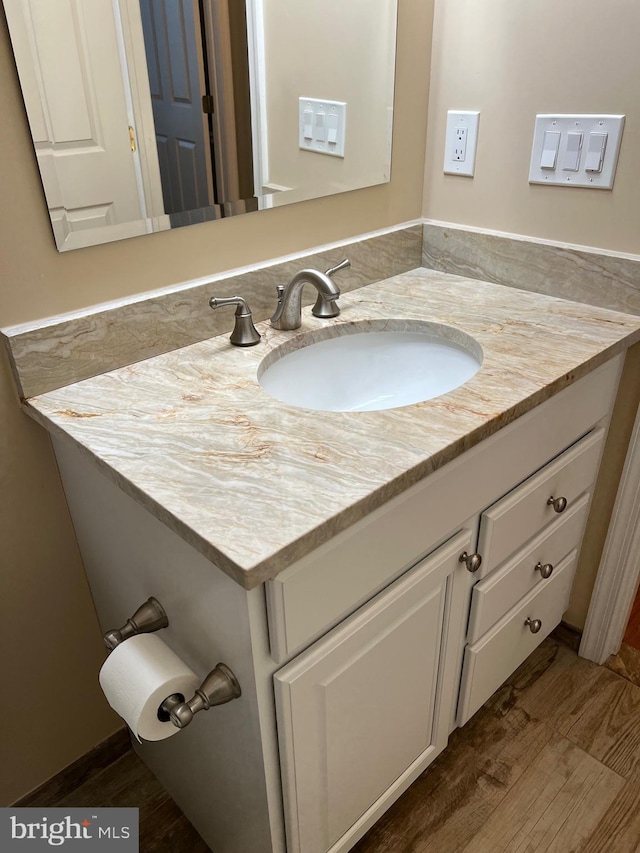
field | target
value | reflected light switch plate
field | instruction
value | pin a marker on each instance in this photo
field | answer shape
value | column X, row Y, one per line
column 322, row 126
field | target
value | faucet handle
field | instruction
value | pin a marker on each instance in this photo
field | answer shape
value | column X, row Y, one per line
column 328, row 308
column 341, row 266
column 244, row 332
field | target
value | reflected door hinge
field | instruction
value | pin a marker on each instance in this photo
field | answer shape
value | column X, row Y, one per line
column 207, row 103
column 132, row 138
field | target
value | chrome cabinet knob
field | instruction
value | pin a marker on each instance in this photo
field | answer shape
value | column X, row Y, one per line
column 545, row 571
column 471, row 561
column 558, row 504
column 534, row 625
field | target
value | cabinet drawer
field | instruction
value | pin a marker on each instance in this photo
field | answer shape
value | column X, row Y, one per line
column 494, row 596
column 490, row 661
column 525, row 511
column 369, row 700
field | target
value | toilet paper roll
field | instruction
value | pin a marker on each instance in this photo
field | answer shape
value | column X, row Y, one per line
column 138, row 676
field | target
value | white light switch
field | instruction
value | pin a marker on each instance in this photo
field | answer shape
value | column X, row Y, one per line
column 572, row 151
column 576, row 150
column 332, row 129
column 322, row 126
column 550, row 149
column 307, row 122
column 460, row 143
column 595, row 152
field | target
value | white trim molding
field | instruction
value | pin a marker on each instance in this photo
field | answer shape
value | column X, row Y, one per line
column 619, row 572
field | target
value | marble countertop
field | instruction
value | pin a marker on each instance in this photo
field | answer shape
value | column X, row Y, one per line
column 255, row 484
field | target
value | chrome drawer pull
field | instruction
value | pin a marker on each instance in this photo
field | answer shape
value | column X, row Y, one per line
column 558, row 504
column 534, row 625
column 471, row 561
column 545, row 571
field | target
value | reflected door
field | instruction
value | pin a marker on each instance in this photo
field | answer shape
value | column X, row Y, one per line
column 173, row 43
column 67, row 52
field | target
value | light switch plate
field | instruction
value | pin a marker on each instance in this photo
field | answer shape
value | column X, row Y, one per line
column 460, row 142
column 322, row 126
column 569, row 127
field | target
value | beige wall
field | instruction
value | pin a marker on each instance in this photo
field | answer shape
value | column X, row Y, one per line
column 513, row 60
column 50, row 639
column 344, row 51
column 510, row 61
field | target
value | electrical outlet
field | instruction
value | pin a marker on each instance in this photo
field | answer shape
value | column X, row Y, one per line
column 460, row 142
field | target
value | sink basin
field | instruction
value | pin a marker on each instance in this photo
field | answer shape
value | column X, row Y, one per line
column 370, row 365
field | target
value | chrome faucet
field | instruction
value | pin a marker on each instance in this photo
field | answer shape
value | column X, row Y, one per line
column 289, row 311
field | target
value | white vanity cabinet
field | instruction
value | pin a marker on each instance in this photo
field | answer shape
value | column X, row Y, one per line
column 357, row 661
column 365, row 708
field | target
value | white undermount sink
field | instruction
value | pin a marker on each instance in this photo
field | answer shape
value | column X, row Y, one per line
column 370, row 365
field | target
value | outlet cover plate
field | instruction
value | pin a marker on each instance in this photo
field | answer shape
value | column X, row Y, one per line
column 456, row 162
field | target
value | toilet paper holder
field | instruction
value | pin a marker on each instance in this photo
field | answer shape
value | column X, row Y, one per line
column 219, row 686
column 149, row 617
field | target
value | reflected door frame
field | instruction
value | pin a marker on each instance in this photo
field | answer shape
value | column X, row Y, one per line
column 258, row 93
column 134, row 64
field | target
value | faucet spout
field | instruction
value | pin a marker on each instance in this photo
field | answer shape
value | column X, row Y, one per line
column 288, row 314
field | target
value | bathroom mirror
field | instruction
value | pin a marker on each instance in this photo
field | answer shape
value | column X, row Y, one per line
column 153, row 114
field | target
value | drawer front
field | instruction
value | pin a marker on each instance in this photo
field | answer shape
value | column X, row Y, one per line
column 526, row 510
column 494, row 596
column 490, row 661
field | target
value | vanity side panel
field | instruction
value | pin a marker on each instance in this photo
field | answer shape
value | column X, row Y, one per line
column 214, row 769
column 604, row 497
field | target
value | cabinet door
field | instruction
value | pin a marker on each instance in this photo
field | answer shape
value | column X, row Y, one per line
column 363, row 704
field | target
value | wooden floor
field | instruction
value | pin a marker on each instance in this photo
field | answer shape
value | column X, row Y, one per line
column 126, row 782
column 551, row 763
